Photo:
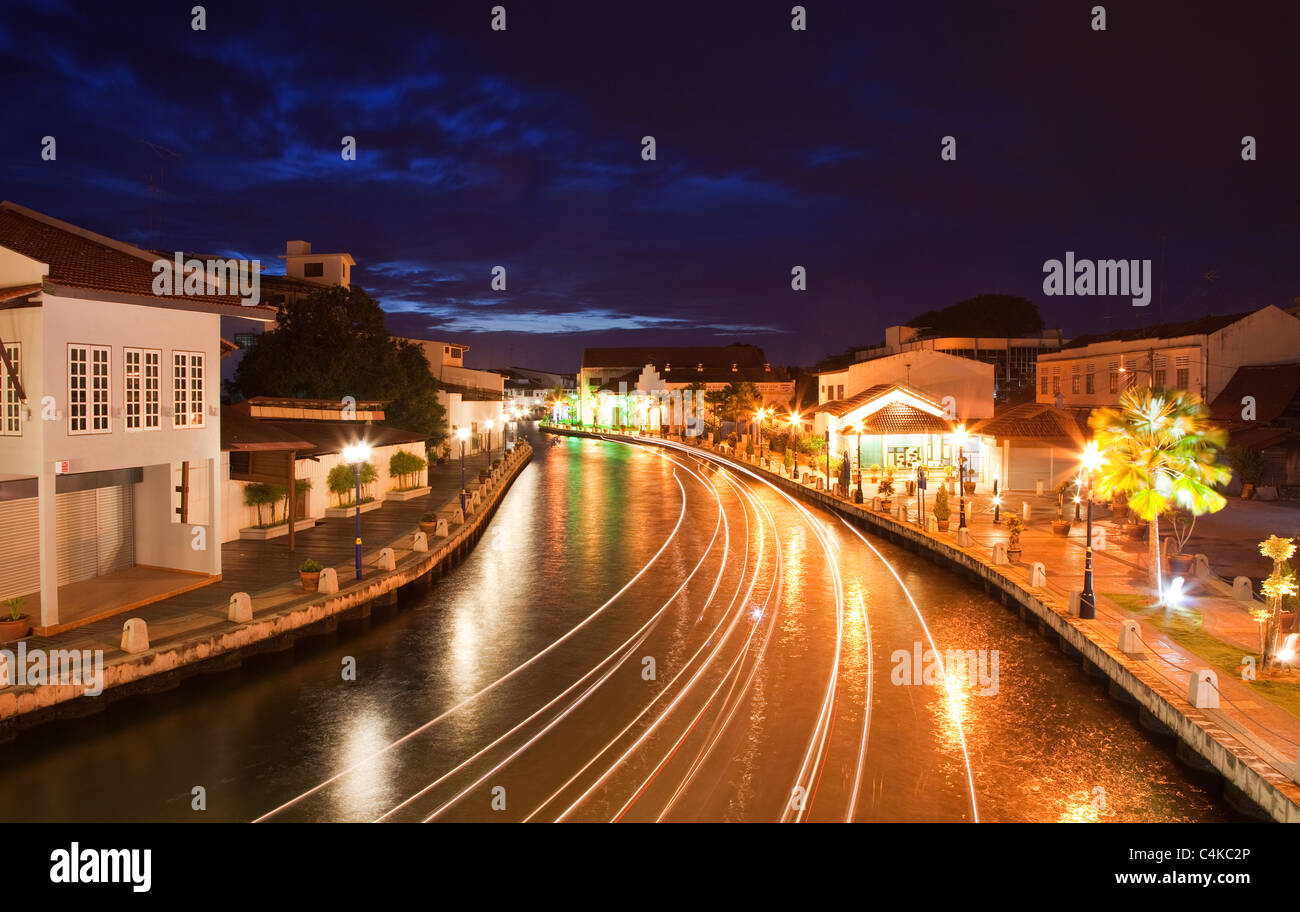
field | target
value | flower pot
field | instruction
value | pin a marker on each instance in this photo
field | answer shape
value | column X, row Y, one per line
column 14, row 630
column 1181, row 564
column 1061, row 527
column 1013, row 555
column 886, row 505
column 310, row 581
column 943, row 524
column 970, row 487
column 429, row 528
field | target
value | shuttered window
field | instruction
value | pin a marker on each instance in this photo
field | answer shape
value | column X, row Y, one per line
column 12, row 424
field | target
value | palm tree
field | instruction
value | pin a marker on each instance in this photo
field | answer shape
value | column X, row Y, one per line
column 1162, row 452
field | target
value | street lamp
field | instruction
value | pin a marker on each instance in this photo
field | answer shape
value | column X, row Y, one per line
column 857, row 429
column 357, row 454
column 1091, row 460
column 961, row 438
column 462, row 433
column 997, row 503
column 760, row 415
column 488, row 425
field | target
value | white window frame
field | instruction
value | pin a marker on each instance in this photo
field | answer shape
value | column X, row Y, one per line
column 11, row 407
column 186, row 393
column 96, row 406
column 136, row 402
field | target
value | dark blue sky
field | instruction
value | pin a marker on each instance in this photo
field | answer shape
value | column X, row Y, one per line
column 775, row 148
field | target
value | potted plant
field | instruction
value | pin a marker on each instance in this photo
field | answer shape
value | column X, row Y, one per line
column 1182, row 523
column 969, row 485
column 1249, row 466
column 873, row 472
column 1015, row 525
column 941, row 509
column 1061, row 525
column 948, row 472
column 309, row 572
column 428, row 523
column 886, row 490
column 14, row 625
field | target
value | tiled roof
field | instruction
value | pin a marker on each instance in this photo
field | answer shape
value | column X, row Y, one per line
column 901, row 418
column 1205, row 325
column 82, row 259
column 1034, row 422
column 841, row 407
column 14, row 292
column 1273, row 387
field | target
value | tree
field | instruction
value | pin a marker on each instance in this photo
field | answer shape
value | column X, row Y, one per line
column 1162, row 452
column 1280, row 585
column 341, row 480
column 402, row 465
column 332, row 344
column 256, row 495
column 735, row 401
column 983, row 315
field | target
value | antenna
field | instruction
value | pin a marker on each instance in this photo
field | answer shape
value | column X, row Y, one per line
column 164, row 155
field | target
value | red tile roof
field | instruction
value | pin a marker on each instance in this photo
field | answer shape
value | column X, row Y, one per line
column 81, row 259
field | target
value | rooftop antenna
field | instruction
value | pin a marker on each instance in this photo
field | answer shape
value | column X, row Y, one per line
column 164, row 154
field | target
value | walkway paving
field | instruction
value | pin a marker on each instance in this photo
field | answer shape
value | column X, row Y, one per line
column 268, row 571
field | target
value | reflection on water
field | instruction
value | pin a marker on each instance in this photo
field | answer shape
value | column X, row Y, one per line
column 580, row 522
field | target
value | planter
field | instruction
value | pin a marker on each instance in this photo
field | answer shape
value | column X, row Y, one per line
column 886, row 505
column 970, row 487
column 1061, row 527
column 1013, row 555
column 1247, row 492
column 943, row 524
column 252, row 533
column 310, row 581
column 429, row 528
column 15, row 630
column 1181, row 564
column 405, row 495
column 350, row 510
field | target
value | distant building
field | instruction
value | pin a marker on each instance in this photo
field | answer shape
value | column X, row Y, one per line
column 1013, row 358
column 305, row 273
column 1195, row 355
column 473, row 398
column 530, row 390
column 1260, row 407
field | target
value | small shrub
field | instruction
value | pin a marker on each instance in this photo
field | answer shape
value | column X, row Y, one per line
column 310, row 566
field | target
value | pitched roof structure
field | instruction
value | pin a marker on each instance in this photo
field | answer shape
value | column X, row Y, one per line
column 1203, row 326
column 81, row 259
column 1034, row 422
column 1273, row 388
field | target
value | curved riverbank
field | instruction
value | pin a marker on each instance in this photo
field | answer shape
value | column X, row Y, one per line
column 1203, row 741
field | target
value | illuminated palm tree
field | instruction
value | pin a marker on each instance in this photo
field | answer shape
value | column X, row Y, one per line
column 1162, row 452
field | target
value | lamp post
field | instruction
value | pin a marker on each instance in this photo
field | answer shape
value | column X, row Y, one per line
column 997, row 503
column 1092, row 460
column 796, row 424
column 462, row 433
column 357, row 454
column 857, row 495
column 828, row 452
column 488, row 424
column 961, row 438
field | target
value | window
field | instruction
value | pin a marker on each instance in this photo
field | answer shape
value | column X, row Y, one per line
column 1042, row 382
column 1183, row 378
column 1158, row 377
column 1114, row 382
column 245, row 340
column 313, row 271
column 1056, row 381
column 1074, row 384
column 1089, row 384
column 12, row 425
column 88, row 389
column 187, row 389
column 143, row 368
column 840, row 392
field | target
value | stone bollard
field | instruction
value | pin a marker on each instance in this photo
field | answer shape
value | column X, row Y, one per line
column 441, row 530
column 1024, row 511
column 1039, row 488
column 241, row 608
column 970, row 510
column 1130, row 638
column 931, row 524
column 999, row 553
column 963, row 537
column 1243, row 590
column 453, row 513
column 819, row 482
column 387, row 559
column 1203, row 689
column 135, row 636
column 900, row 511
column 328, row 584
column 1076, row 596
column 1037, row 575
column 419, row 542
column 1098, row 538
column 1202, row 567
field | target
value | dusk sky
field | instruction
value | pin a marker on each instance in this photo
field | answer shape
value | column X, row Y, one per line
column 775, row 148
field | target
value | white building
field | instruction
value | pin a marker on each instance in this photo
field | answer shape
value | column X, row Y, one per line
column 110, row 439
column 472, row 398
column 1198, row 355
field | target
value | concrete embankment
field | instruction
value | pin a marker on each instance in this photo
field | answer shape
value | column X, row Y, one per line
column 219, row 638
column 1202, row 741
